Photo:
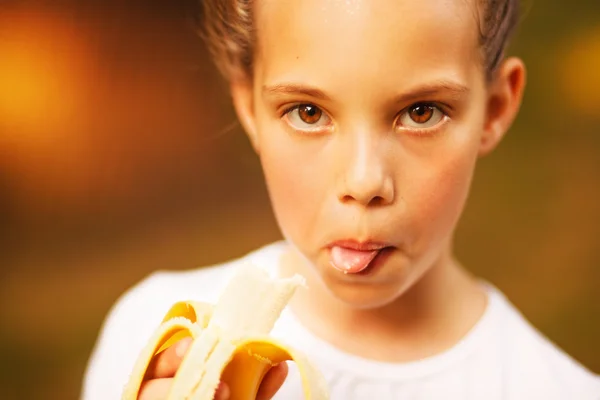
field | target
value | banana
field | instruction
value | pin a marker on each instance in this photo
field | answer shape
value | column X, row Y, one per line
column 231, row 341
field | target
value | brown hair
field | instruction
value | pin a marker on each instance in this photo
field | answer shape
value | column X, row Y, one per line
column 228, row 29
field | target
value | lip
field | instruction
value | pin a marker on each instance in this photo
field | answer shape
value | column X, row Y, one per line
column 383, row 251
column 367, row 245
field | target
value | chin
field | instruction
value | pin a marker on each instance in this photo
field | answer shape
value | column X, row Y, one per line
column 364, row 295
column 376, row 289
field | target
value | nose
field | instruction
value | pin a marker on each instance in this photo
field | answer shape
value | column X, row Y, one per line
column 366, row 177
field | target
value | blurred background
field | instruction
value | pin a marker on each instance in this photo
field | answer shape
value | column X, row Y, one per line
column 119, row 155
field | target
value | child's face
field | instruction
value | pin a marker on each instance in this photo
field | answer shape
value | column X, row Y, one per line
column 368, row 117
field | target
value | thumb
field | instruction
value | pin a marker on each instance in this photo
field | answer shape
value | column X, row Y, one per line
column 272, row 382
column 165, row 364
column 223, row 392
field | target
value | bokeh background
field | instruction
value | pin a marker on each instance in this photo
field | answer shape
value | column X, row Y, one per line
column 119, row 155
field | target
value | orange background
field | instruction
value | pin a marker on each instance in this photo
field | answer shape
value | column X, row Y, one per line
column 119, row 155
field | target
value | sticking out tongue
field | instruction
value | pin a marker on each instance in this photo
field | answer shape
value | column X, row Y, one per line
column 351, row 261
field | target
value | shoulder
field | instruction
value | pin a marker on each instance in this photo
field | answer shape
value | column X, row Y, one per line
column 137, row 313
column 533, row 363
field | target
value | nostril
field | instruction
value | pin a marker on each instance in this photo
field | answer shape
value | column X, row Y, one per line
column 367, row 189
column 347, row 199
column 376, row 201
column 373, row 201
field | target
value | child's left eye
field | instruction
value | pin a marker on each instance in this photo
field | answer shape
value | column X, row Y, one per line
column 420, row 116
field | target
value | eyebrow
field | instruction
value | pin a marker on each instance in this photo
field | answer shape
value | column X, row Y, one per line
column 293, row 88
column 454, row 89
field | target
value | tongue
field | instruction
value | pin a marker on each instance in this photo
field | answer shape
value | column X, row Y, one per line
column 351, row 261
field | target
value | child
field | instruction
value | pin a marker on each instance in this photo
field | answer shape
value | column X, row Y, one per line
column 368, row 117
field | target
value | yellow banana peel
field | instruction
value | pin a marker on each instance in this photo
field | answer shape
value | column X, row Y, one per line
column 231, row 341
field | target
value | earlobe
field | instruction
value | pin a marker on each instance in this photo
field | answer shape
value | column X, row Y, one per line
column 242, row 96
column 504, row 102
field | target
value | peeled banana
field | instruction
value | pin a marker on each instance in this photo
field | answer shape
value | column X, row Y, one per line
column 230, row 341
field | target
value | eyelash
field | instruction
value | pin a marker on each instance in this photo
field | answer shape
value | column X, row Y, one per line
column 287, row 111
column 429, row 131
column 422, row 132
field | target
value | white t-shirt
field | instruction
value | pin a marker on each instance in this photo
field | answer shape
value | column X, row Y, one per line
column 502, row 357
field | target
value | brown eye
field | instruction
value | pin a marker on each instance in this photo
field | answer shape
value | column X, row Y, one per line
column 420, row 116
column 309, row 114
column 308, row 118
column 421, row 113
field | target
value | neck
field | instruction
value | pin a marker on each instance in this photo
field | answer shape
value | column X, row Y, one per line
column 430, row 317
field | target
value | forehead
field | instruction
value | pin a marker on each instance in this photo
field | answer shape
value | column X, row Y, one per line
column 340, row 40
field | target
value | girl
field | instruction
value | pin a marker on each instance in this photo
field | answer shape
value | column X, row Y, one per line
column 368, row 117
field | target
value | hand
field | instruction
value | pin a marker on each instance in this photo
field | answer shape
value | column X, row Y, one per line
column 161, row 371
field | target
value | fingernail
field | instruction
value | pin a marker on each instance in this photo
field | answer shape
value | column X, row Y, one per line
column 181, row 347
column 223, row 391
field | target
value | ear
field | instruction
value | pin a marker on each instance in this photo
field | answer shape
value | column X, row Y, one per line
column 243, row 102
column 504, row 101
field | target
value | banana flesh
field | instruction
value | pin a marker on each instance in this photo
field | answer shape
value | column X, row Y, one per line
column 231, row 341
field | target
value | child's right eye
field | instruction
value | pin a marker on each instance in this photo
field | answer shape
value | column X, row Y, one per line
column 307, row 117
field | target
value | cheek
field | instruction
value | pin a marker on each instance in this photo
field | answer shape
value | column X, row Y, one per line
column 437, row 194
column 295, row 180
column 438, row 184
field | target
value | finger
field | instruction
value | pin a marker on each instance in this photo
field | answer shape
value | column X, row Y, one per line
column 167, row 362
column 155, row 389
column 158, row 389
column 272, row 382
column 223, row 392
